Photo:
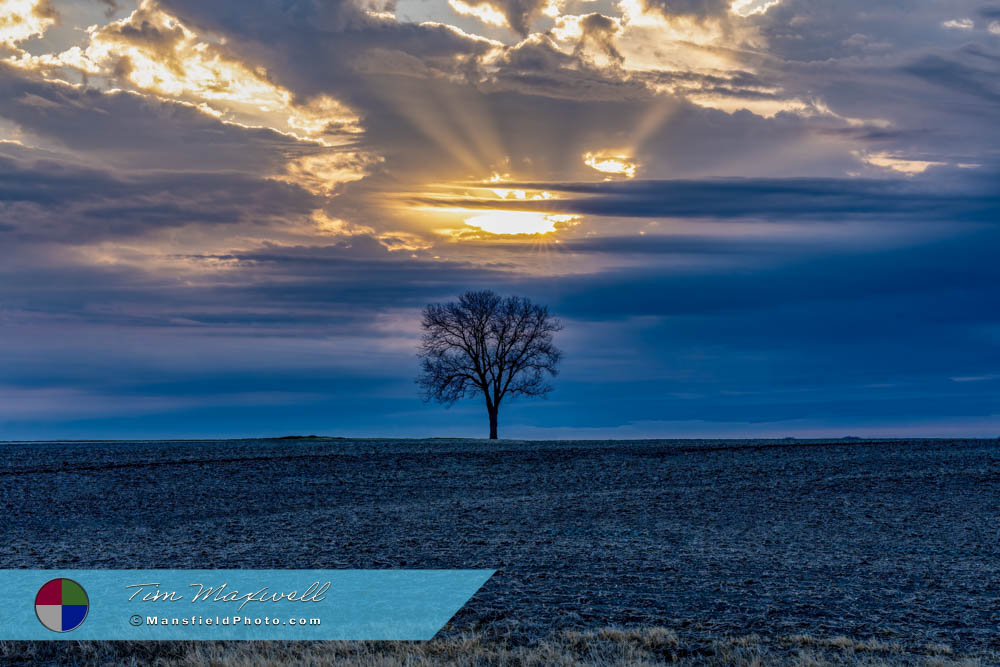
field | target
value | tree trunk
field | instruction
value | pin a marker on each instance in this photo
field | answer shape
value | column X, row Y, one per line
column 493, row 423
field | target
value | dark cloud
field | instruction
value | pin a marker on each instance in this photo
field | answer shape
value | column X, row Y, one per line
column 735, row 83
column 134, row 130
column 799, row 275
column 45, row 9
column 697, row 9
column 294, row 41
column 143, row 29
column 112, row 7
column 662, row 244
column 276, row 290
column 537, row 67
column 958, row 77
column 373, row 55
column 600, row 31
column 315, row 47
column 872, row 332
column 803, row 30
column 968, row 199
column 46, row 201
column 520, row 14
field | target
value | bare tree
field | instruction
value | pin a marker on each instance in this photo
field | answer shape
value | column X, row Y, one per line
column 487, row 344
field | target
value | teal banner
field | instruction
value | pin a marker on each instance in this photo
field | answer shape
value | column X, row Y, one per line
column 232, row 604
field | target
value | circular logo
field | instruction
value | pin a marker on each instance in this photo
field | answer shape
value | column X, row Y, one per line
column 61, row 605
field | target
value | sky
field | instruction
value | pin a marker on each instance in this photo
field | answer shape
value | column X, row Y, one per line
column 755, row 218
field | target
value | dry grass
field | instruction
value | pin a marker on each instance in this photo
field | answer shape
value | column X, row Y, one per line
column 605, row 646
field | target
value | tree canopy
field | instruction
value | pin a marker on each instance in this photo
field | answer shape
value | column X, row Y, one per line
column 490, row 345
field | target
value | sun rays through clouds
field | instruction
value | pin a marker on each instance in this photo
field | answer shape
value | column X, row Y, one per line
column 201, row 196
column 560, row 95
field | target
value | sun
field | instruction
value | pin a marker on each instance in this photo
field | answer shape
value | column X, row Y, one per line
column 512, row 222
column 517, row 222
column 621, row 165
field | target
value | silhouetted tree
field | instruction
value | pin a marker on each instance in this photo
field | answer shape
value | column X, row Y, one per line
column 487, row 344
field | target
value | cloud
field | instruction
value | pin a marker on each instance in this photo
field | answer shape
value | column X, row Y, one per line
column 518, row 15
column 132, row 130
column 745, row 341
column 293, row 41
column 112, row 7
column 959, row 24
column 899, row 164
column 690, row 245
column 151, row 51
column 23, row 19
column 778, row 274
column 965, row 78
column 42, row 201
column 750, row 7
column 600, row 31
column 538, row 67
column 697, row 9
column 486, row 13
column 203, row 197
column 323, row 172
column 775, row 199
column 611, row 164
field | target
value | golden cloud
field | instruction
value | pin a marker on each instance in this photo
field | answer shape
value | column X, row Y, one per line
column 337, row 227
column 484, row 12
column 621, row 165
column 898, row 164
column 152, row 52
column 23, row 19
column 323, row 172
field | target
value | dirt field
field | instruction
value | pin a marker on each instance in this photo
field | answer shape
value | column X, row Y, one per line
column 894, row 542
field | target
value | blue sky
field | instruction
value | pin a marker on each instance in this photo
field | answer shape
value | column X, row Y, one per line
column 764, row 218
